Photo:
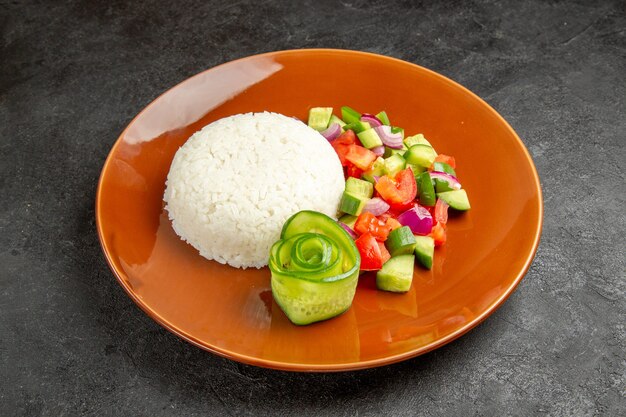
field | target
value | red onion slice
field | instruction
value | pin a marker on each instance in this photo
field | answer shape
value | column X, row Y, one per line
column 347, row 229
column 392, row 140
column 376, row 206
column 450, row 179
column 379, row 150
column 332, row 132
column 371, row 119
column 418, row 219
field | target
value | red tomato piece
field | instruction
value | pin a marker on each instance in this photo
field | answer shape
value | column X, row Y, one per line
column 361, row 157
column 368, row 223
column 353, row 171
column 400, row 191
column 393, row 224
column 385, row 255
column 441, row 211
column 371, row 257
column 341, row 151
column 346, row 138
column 438, row 234
column 447, row 159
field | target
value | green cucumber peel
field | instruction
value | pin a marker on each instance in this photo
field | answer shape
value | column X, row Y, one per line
column 314, row 268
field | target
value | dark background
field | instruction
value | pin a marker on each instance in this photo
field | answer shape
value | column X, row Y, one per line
column 73, row 75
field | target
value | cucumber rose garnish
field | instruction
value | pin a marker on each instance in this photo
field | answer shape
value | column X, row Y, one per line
column 315, row 268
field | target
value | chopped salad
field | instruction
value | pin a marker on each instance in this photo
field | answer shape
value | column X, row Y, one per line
column 397, row 196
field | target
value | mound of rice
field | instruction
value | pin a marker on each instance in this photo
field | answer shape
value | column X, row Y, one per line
column 233, row 184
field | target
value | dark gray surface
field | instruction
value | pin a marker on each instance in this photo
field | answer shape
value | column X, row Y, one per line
column 72, row 75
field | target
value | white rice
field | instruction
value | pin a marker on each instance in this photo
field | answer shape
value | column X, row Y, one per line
column 233, row 184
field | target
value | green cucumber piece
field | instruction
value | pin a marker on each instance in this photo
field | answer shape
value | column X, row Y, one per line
column 456, row 199
column 352, row 204
column 335, row 119
column 396, row 274
column 396, row 129
column 382, row 116
column 359, row 187
column 391, row 151
column 400, row 241
column 314, row 268
column 349, row 115
column 425, row 250
column 416, row 169
column 319, row 117
column 418, row 139
column 421, row 155
column 394, row 164
column 377, row 169
column 357, row 126
column 349, row 220
column 369, row 138
column 426, row 190
column 442, row 186
column 443, row 167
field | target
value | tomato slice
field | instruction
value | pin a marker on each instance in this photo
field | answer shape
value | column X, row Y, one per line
column 398, row 192
column 353, row 171
column 447, row 159
column 346, row 138
column 384, row 253
column 341, row 151
column 361, row 157
column 438, row 234
column 368, row 223
column 441, row 211
column 393, row 224
column 371, row 257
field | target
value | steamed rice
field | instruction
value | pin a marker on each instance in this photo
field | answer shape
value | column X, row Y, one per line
column 233, row 184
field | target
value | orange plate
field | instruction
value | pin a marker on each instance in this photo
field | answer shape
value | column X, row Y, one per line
column 230, row 311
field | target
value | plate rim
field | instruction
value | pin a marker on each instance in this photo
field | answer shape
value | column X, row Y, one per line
column 324, row 367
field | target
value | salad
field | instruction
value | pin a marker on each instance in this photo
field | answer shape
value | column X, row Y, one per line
column 395, row 208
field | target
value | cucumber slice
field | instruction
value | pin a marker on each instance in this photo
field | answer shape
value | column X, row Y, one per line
column 357, row 126
column 352, row 204
column 425, row 250
column 442, row 186
column 369, row 138
column 394, row 164
column 421, row 155
column 416, row 169
column 443, row 167
column 350, row 115
column 359, row 187
column 400, row 241
column 396, row 129
column 418, row 139
column 390, row 151
column 307, row 287
column 377, row 169
column 456, row 199
column 396, row 274
column 319, row 117
column 335, row 119
column 382, row 116
column 348, row 220
column 426, row 190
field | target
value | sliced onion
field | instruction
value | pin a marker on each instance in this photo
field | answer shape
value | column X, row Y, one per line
column 376, row 206
column 332, row 132
column 450, row 179
column 376, row 178
column 392, row 140
column 347, row 229
column 418, row 219
column 379, row 150
column 371, row 119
